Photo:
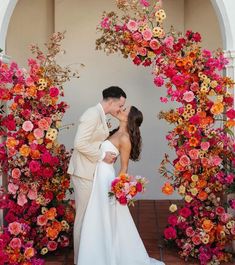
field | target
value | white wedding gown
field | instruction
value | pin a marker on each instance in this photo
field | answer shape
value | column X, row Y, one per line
column 109, row 235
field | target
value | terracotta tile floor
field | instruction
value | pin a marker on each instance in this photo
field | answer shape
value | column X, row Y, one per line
column 150, row 218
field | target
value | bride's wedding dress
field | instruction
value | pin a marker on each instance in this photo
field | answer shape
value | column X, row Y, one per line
column 109, row 235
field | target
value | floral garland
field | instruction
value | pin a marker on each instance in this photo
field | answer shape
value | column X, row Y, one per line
column 37, row 216
column 202, row 136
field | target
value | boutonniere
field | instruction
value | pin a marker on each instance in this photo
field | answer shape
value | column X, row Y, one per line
column 109, row 123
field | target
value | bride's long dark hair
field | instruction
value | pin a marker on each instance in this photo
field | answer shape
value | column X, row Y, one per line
column 135, row 119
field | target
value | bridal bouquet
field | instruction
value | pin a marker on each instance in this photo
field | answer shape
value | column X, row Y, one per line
column 125, row 188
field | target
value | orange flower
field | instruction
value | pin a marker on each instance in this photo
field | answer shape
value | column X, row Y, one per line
column 193, row 141
column 179, row 167
column 217, row 108
column 207, row 225
column 123, row 177
column 31, row 91
column 30, row 137
column 17, row 89
column 11, row 142
column 192, row 129
column 52, row 233
column 192, row 55
column 187, row 175
column 179, row 62
column 230, row 123
column 35, row 154
column 14, row 106
column 201, row 183
column 133, row 191
column 24, row 150
column 167, row 189
column 29, row 252
column 51, row 213
column 202, row 195
column 57, row 225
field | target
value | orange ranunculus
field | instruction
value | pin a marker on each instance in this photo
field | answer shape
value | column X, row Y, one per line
column 178, row 130
column 29, row 252
column 31, row 91
column 188, row 63
column 52, row 233
column 51, row 213
column 201, row 183
column 230, row 123
column 179, row 62
column 207, row 225
column 11, row 142
column 167, row 189
column 25, row 150
column 212, row 236
column 202, row 114
column 17, row 89
column 202, row 195
column 21, row 101
column 133, row 191
column 193, row 141
column 35, row 154
column 65, row 183
column 179, row 167
column 30, row 137
column 14, row 106
column 123, row 177
column 217, row 108
column 192, row 55
column 192, row 129
column 57, row 225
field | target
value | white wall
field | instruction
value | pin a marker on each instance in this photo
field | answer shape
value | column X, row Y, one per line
column 79, row 19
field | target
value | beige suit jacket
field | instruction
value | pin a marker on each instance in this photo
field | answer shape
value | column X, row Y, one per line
column 92, row 131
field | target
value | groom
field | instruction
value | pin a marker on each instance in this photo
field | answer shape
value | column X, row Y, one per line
column 91, row 132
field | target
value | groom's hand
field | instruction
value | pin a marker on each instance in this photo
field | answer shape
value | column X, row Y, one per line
column 110, row 157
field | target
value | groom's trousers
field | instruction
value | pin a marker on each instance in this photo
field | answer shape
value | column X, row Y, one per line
column 82, row 192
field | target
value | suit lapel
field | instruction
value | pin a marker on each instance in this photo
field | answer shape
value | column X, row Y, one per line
column 103, row 119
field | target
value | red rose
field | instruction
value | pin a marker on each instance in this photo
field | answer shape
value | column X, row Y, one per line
column 231, row 114
column 139, row 187
column 122, row 200
column 170, row 233
column 172, row 219
column 185, row 212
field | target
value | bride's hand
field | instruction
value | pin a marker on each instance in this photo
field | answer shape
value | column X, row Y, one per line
column 110, row 157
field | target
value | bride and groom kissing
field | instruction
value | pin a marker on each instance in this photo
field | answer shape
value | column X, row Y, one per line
column 104, row 232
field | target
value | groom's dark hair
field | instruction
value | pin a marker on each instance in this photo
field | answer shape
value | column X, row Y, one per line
column 113, row 92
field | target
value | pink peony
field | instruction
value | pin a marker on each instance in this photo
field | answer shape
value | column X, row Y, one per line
column 54, row 92
column 158, row 81
column 216, row 160
column 190, row 232
column 188, row 96
column 178, row 80
column 184, row 160
column 147, row 34
column 154, row 44
column 21, row 199
column 15, row 243
column 32, row 194
column 14, row 228
column 170, row 233
column 137, row 37
column 42, row 220
column 15, row 173
column 52, row 245
column 225, row 217
column 230, row 178
column 142, row 51
column 132, row 25
column 169, row 41
column 27, row 126
column 34, row 166
column 205, row 146
column 38, row 133
column 196, row 240
column 172, row 220
column 194, row 153
column 12, row 188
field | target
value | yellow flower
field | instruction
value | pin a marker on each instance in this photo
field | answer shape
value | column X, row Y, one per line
column 207, row 81
column 217, row 108
column 181, row 189
column 194, row 191
column 213, row 84
column 188, row 198
column 160, row 15
column 158, row 32
column 188, row 106
column 194, row 178
column 205, row 240
column 173, row 208
column 44, row 210
column 229, row 225
column 193, row 184
column 44, row 251
column 219, row 98
column 24, row 150
column 204, row 89
column 151, row 54
column 202, row 76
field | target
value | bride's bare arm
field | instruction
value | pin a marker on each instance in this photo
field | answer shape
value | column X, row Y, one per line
column 125, row 150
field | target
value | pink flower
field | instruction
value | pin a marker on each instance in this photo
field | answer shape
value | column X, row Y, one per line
column 205, row 162
column 225, row 217
column 137, row 37
column 190, row 232
column 196, row 240
column 185, row 212
column 142, row 51
column 105, row 23
column 170, row 233
column 27, row 126
column 184, row 160
column 233, row 230
column 144, row 3
column 21, row 199
column 231, row 114
column 229, row 179
column 220, row 210
column 15, row 173
column 14, row 228
column 52, row 245
column 188, row 96
column 154, row 44
column 42, row 220
column 194, row 86
column 46, row 157
column 178, row 80
column 172, row 220
column 43, row 124
column 132, row 25
column 32, row 194
column 12, row 188
column 163, row 100
column 54, row 92
column 194, row 153
column 216, row 160
column 38, row 133
column 122, row 200
column 15, row 243
column 169, row 41
column 29, row 81
column 48, row 172
column 147, row 34
column 137, row 60
column 139, row 187
column 158, row 81
column 34, row 166
column 205, row 146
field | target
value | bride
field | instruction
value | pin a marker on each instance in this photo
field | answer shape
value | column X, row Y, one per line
column 109, row 235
